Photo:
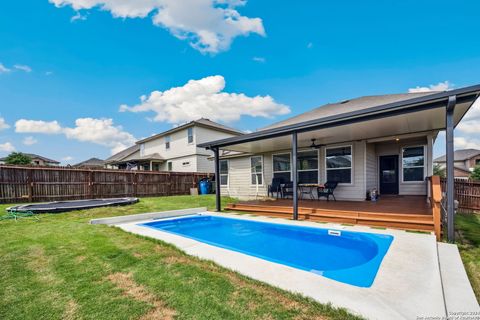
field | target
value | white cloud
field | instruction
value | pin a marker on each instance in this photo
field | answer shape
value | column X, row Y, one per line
column 78, row 17
column 6, row 147
column 204, row 98
column 37, row 126
column 259, row 59
column 102, row 132
column 28, row 141
column 22, row 67
column 208, row 25
column 4, row 69
column 98, row 131
column 441, row 86
column 466, row 143
column 67, row 158
column 3, row 124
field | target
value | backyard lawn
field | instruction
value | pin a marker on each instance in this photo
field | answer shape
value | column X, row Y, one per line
column 61, row 267
column 468, row 240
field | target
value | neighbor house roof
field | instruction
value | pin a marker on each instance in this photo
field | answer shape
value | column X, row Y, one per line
column 202, row 122
column 341, row 107
column 123, row 154
column 92, row 162
column 361, row 110
column 35, row 156
column 460, row 155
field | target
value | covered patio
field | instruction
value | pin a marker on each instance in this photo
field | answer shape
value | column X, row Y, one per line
column 360, row 125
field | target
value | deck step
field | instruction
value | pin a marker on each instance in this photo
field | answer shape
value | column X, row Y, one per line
column 420, row 222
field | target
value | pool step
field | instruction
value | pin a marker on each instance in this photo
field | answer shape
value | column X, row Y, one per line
column 421, row 222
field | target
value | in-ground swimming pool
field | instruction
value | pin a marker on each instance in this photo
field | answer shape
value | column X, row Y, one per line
column 345, row 256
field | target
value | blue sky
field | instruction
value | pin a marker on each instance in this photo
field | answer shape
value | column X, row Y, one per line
column 67, row 68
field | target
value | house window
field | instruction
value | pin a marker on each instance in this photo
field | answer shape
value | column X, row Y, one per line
column 187, row 163
column 190, row 135
column 413, row 163
column 281, row 166
column 167, row 142
column 169, row 166
column 307, row 163
column 338, row 162
column 256, row 165
column 224, row 172
column 477, row 162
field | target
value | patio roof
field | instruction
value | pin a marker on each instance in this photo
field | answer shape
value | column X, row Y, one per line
column 406, row 115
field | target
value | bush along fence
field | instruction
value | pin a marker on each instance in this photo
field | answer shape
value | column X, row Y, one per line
column 467, row 193
column 33, row 184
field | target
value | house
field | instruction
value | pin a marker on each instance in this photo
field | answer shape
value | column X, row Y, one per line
column 374, row 142
column 174, row 150
column 37, row 160
column 92, row 163
column 464, row 162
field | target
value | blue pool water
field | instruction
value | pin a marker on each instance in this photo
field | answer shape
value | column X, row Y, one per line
column 345, row 256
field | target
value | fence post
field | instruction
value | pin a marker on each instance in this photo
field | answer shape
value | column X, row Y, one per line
column 90, row 184
column 30, row 185
column 135, row 183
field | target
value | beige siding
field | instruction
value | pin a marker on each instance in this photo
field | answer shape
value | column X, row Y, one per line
column 240, row 176
column 204, row 164
column 371, row 167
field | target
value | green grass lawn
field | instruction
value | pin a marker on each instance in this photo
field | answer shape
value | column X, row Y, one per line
column 468, row 240
column 61, row 267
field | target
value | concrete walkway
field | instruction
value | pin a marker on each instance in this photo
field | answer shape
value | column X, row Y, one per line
column 408, row 284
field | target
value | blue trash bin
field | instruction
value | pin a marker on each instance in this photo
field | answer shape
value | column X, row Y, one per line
column 204, row 186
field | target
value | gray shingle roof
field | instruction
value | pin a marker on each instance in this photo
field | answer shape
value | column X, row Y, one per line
column 460, row 155
column 345, row 106
column 91, row 162
column 123, row 154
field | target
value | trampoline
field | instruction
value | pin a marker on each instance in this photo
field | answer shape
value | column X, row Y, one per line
column 63, row 206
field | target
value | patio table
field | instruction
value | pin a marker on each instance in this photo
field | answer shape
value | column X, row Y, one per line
column 308, row 189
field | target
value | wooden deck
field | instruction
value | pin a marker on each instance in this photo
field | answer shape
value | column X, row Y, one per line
column 401, row 212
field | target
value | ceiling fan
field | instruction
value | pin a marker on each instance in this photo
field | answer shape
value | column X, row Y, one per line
column 315, row 146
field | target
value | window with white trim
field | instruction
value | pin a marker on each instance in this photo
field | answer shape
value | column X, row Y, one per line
column 338, row 164
column 190, row 135
column 413, row 164
column 224, row 172
column 167, row 142
column 307, row 166
column 169, row 166
column 281, row 166
column 256, row 165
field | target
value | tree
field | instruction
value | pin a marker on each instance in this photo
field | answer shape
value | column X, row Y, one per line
column 18, row 158
column 475, row 175
column 439, row 171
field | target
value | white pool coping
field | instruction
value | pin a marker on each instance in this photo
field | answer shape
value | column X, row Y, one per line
column 408, row 284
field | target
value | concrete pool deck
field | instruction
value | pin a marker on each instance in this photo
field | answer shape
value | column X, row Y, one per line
column 410, row 283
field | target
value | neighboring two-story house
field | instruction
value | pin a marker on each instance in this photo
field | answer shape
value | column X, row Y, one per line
column 464, row 162
column 175, row 149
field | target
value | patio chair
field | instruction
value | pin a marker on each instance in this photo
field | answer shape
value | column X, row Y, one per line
column 327, row 190
column 287, row 189
column 275, row 187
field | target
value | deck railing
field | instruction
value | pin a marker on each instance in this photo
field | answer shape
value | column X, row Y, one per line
column 436, row 203
column 31, row 184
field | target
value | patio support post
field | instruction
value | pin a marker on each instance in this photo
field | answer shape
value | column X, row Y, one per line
column 294, row 175
column 218, row 200
column 450, row 168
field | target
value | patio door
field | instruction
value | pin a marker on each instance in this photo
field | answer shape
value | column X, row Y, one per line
column 389, row 174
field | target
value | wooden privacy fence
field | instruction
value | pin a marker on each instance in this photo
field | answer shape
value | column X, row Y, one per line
column 467, row 193
column 32, row 184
